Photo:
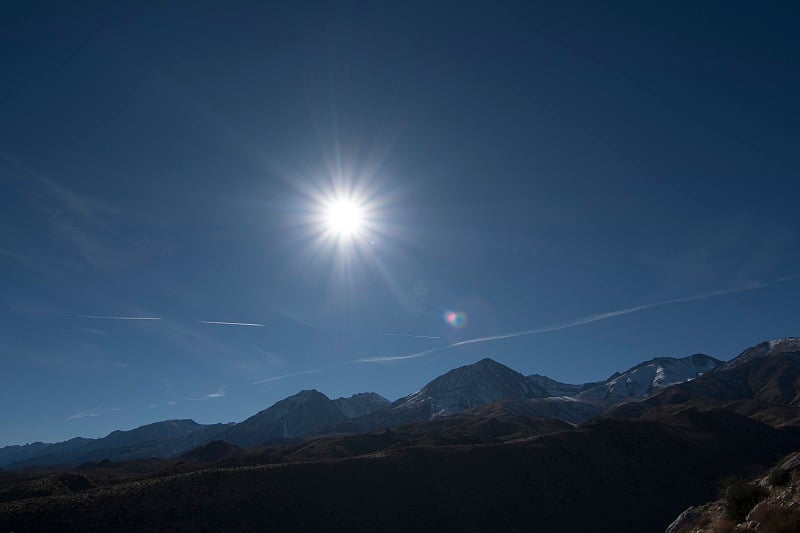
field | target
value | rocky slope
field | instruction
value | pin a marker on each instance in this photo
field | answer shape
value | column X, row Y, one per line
column 762, row 382
column 769, row 504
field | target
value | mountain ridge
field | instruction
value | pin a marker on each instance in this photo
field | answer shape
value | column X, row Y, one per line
column 465, row 388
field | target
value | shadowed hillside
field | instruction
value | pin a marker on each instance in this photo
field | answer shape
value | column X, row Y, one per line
column 635, row 474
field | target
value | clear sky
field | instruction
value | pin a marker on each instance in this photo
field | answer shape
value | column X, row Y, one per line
column 534, row 167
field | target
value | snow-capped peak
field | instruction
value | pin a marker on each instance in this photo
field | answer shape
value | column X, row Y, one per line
column 645, row 378
column 767, row 348
column 469, row 386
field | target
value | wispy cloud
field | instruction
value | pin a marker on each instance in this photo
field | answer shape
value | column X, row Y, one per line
column 292, row 374
column 84, row 414
column 412, row 336
column 789, row 277
column 80, row 231
column 87, row 413
column 121, row 317
column 252, row 324
column 569, row 324
column 219, row 394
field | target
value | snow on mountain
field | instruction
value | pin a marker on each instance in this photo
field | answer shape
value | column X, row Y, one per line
column 648, row 377
column 469, row 386
column 765, row 349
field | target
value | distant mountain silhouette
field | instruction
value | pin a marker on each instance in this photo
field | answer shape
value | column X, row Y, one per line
column 160, row 439
column 297, row 415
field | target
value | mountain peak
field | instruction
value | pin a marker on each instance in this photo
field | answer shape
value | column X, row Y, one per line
column 308, row 392
column 647, row 377
column 785, row 344
column 469, row 386
column 361, row 404
column 767, row 348
column 306, row 412
column 305, row 396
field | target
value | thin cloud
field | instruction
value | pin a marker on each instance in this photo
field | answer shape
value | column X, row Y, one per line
column 570, row 324
column 284, row 376
column 219, row 394
column 75, row 221
column 412, row 336
column 789, row 277
column 83, row 414
column 88, row 413
column 251, row 324
column 120, row 317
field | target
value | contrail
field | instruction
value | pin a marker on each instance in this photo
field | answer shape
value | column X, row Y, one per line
column 555, row 327
column 570, row 324
column 121, row 317
column 252, row 324
column 410, row 335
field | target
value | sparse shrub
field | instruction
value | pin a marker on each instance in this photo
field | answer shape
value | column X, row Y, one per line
column 779, row 477
column 740, row 497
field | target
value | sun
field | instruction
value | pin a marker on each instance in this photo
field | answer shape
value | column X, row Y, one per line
column 344, row 218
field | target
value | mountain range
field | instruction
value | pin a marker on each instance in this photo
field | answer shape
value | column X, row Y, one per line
column 311, row 413
column 469, row 451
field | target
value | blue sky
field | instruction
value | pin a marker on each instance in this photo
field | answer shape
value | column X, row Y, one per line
column 527, row 165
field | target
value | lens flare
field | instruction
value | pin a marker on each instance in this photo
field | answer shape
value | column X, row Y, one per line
column 456, row 319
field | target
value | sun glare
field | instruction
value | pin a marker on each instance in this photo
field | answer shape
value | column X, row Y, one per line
column 344, row 218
